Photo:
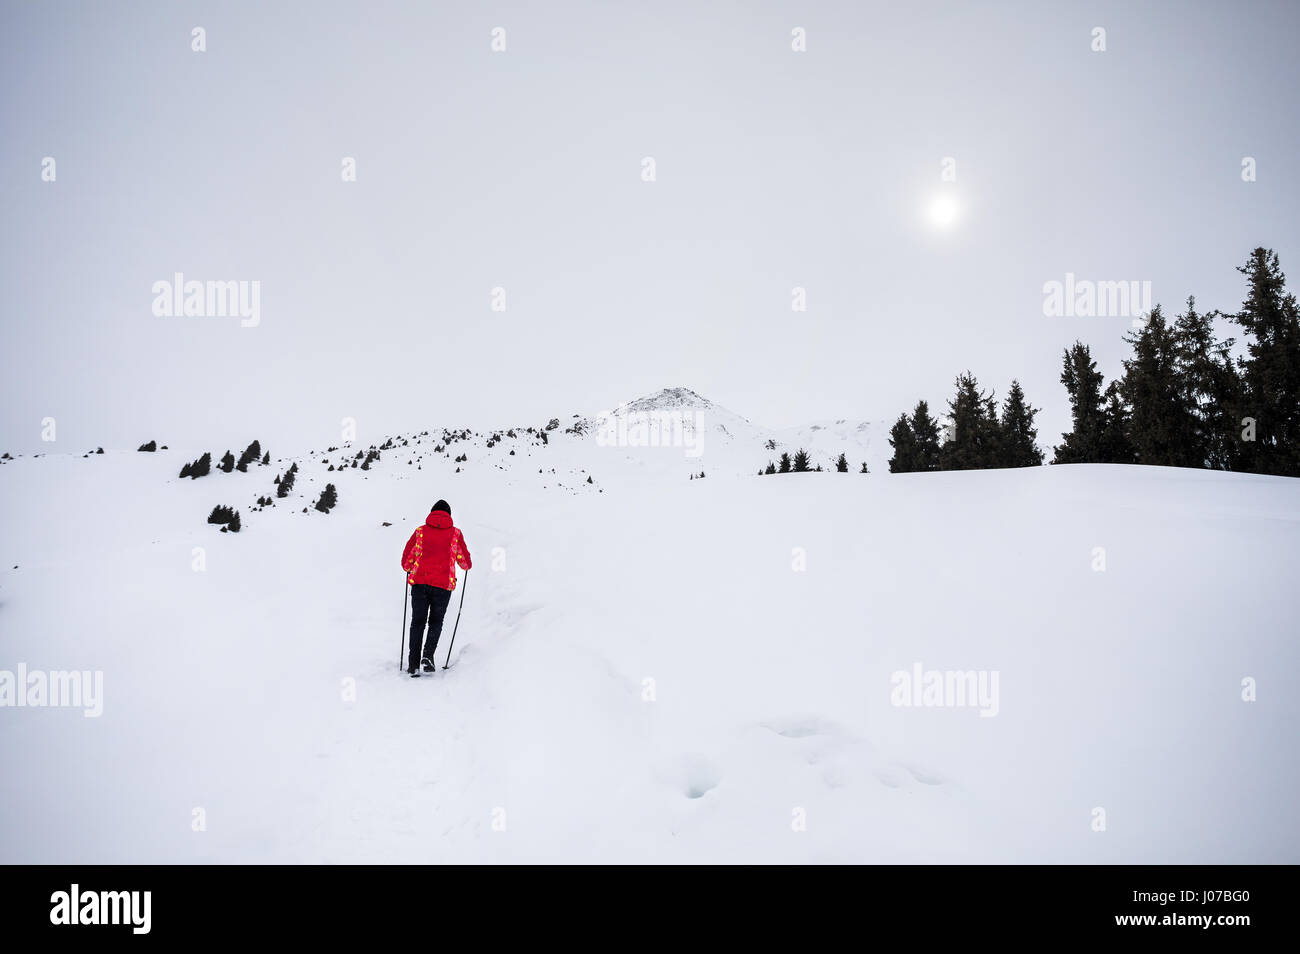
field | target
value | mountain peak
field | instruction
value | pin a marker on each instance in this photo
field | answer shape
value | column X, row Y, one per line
column 668, row 399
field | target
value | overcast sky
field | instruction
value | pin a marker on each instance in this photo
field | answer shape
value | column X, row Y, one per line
column 523, row 169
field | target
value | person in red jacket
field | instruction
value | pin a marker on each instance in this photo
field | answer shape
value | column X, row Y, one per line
column 430, row 560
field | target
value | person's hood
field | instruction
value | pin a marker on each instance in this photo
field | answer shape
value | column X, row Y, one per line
column 438, row 520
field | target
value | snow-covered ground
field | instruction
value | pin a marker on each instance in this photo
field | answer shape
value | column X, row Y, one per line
column 653, row 668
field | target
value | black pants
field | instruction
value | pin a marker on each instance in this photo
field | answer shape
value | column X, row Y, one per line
column 427, row 603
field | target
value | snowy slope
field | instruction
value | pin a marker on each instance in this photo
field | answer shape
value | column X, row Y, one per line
column 771, row 689
column 725, row 441
column 860, row 441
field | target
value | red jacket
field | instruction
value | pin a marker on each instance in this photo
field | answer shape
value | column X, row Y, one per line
column 433, row 551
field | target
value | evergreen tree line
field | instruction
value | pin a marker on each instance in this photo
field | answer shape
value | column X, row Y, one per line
column 801, row 463
column 203, row 466
column 978, row 436
column 1184, row 400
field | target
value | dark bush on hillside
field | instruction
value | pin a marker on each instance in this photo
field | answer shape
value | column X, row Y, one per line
column 221, row 514
column 250, row 455
column 286, row 482
column 329, row 498
column 198, row 468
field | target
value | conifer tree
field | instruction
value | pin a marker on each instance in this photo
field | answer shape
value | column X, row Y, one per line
column 328, row 499
column 903, row 441
column 785, row 464
column 974, row 441
column 227, row 463
column 842, row 464
column 286, row 482
column 1083, row 384
column 1160, row 427
column 925, row 438
column 1115, row 446
column 1211, row 388
column 250, row 455
column 996, row 450
column 801, row 461
column 1271, row 368
column 1019, row 447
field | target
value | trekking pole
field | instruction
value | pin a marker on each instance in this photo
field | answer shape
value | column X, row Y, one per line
column 463, row 588
column 406, row 593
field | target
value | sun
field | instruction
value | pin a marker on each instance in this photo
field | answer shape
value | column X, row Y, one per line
column 943, row 211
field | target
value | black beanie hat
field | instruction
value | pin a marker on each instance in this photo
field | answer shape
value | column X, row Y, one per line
column 443, row 506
